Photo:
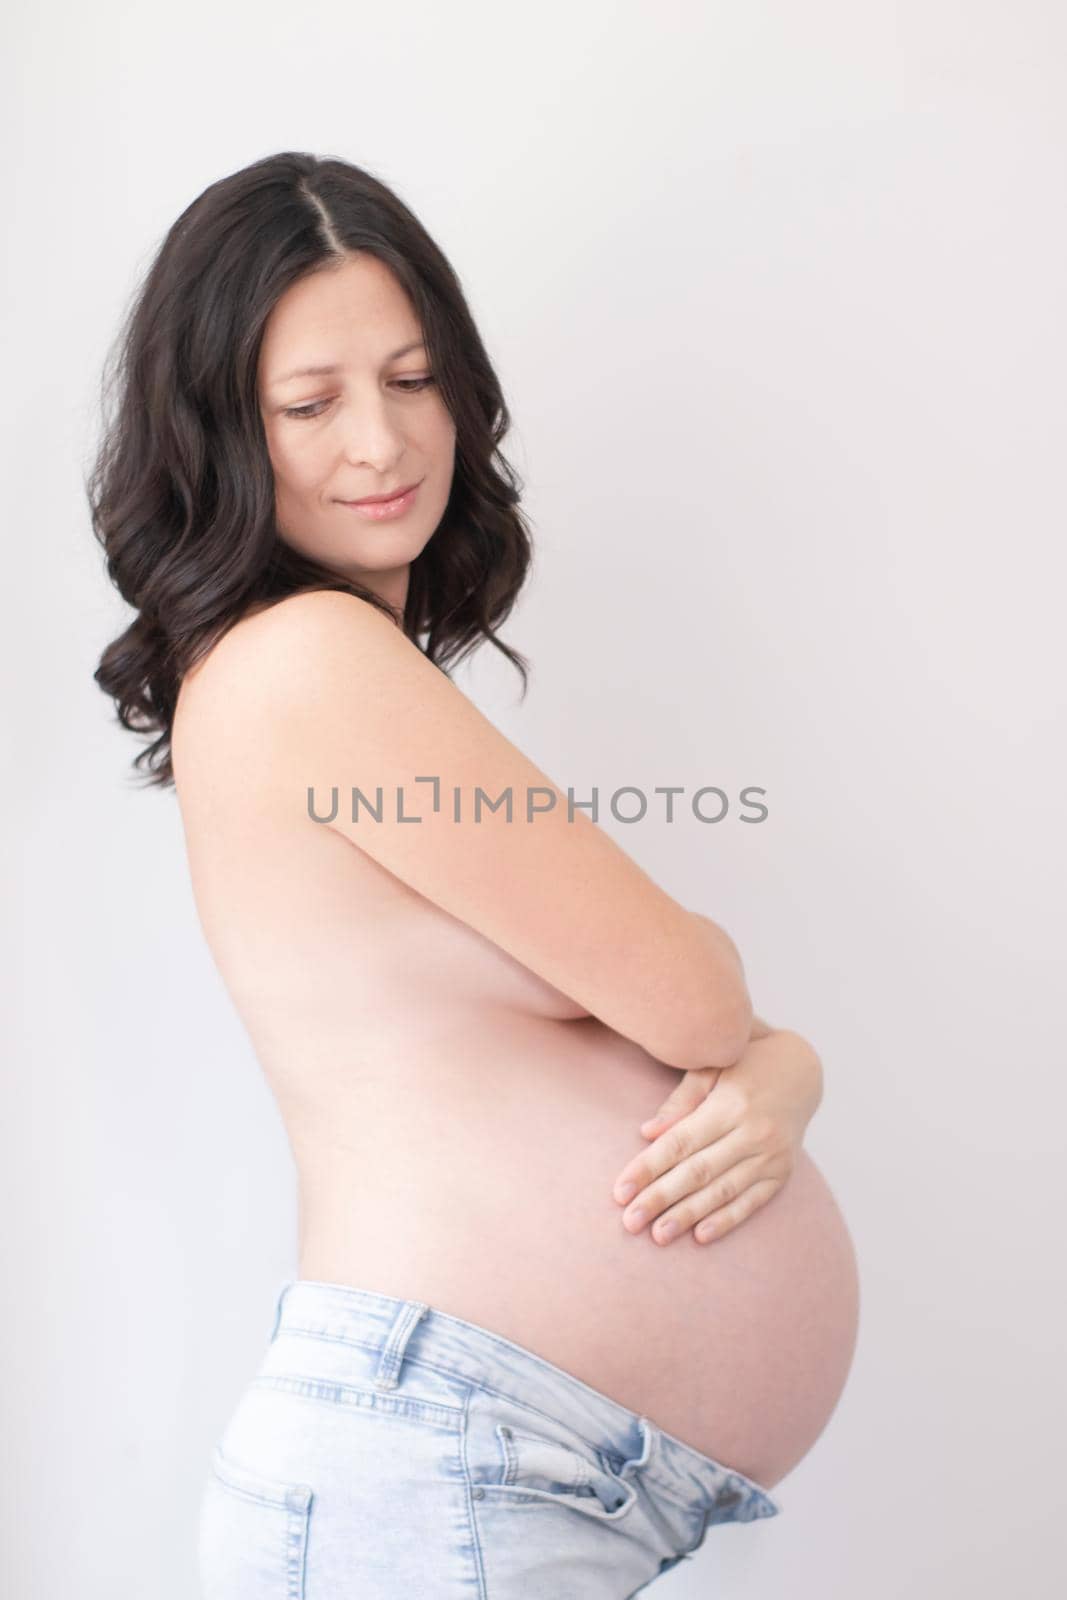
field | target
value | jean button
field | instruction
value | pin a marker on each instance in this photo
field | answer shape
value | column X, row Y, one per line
column 479, row 1494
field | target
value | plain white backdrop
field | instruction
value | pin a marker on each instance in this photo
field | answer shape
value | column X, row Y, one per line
column 776, row 294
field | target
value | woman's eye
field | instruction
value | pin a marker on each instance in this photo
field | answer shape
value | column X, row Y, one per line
column 314, row 407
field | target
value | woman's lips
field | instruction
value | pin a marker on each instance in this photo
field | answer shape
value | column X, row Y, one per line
column 383, row 510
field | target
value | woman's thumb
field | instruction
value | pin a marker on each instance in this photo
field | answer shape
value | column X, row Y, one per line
column 689, row 1092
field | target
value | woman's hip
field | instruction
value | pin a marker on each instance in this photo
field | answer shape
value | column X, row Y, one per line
column 384, row 1448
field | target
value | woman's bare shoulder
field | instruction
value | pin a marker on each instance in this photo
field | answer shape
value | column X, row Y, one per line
column 267, row 634
column 226, row 687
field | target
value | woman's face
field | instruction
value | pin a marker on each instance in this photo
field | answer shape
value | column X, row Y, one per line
column 367, row 427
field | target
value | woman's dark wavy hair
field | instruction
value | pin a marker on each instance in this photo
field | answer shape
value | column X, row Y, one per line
column 182, row 489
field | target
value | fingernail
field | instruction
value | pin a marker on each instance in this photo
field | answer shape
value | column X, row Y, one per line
column 636, row 1219
column 624, row 1192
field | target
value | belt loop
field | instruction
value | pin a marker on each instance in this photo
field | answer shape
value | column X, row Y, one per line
column 650, row 1437
column 392, row 1356
column 279, row 1298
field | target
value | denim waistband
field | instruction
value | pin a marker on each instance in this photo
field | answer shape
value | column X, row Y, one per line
column 411, row 1330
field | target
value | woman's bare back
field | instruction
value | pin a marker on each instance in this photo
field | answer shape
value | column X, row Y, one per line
column 457, row 1123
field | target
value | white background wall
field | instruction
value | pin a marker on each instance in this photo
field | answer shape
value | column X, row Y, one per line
column 777, row 296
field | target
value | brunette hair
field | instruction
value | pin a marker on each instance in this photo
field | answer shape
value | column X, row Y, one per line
column 182, row 490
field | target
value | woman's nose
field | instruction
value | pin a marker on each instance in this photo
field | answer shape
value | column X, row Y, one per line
column 371, row 436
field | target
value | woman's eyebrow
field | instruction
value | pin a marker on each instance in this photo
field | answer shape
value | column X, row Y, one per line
column 332, row 367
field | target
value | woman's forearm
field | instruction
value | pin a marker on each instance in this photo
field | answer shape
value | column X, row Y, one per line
column 758, row 1029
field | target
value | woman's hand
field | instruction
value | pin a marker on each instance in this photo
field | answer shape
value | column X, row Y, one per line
column 724, row 1141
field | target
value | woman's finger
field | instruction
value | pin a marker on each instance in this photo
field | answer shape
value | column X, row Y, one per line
column 666, row 1151
column 712, row 1199
column 715, row 1116
column 728, row 1216
column 691, row 1089
column 680, row 1163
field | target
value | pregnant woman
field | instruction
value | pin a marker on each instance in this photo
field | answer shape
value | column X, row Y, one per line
column 491, row 1377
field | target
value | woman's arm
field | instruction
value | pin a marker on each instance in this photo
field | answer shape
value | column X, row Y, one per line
column 758, row 1028
column 326, row 694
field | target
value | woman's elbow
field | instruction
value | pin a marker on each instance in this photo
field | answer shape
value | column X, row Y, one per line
column 717, row 1038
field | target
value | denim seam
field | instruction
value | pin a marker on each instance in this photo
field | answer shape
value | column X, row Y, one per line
column 472, row 1521
column 294, row 1544
column 301, row 1383
column 296, row 1550
column 246, row 1494
column 272, row 1493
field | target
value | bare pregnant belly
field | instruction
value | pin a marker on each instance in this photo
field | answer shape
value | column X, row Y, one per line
column 481, row 1184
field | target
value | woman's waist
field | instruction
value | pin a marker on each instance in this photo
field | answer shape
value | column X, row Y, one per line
column 434, row 1037
column 492, row 1080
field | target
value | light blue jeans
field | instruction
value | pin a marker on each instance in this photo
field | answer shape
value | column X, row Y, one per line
column 384, row 1449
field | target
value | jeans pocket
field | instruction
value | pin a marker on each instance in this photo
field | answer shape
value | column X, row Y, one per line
column 252, row 1534
column 533, row 1466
